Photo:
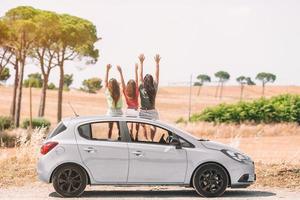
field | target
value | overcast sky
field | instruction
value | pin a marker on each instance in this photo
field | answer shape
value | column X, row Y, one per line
column 193, row 37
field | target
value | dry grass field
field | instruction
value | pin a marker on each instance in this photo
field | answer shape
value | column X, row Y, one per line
column 274, row 147
column 172, row 102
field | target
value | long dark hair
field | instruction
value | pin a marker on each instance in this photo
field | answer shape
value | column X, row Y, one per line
column 150, row 88
column 114, row 89
column 131, row 89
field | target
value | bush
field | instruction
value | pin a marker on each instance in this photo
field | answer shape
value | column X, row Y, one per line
column 5, row 123
column 34, row 80
column 51, row 86
column 283, row 108
column 180, row 120
column 7, row 140
column 36, row 123
column 92, row 85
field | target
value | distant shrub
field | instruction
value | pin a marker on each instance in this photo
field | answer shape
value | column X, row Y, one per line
column 34, row 80
column 5, row 123
column 283, row 108
column 7, row 140
column 51, row 86
column 180, row 120
column 91, row 85
column 36, row 123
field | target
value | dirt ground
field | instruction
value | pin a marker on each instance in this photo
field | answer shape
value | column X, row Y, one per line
column 45, row 191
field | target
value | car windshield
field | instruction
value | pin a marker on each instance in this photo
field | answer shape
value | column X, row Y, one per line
column 189, row 134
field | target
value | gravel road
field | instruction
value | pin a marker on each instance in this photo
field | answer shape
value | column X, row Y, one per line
column 45, row 191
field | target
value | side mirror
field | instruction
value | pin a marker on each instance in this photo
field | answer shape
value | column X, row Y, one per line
column 176, row 142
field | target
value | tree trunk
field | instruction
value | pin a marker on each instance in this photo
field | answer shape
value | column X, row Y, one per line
column 42, row 106
column 13, row 104
column 19, row 93
column 242, row 91
column 217, row 90
column 263, row 89
column 60, row 93
column 221, row 91
column 199, row 90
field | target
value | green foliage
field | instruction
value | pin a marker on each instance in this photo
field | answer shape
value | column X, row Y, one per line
column 249, row 81
column 265, row 77
column 202, row 78
column 68, row 80
column 5, row 123
column 92, row 85
column 180, row 120
column 283, row 108
column 34, row 80
column 244, row 80
column 222, row 76
column 4, row 74
column 37, row 123
column 198, row 84
column 51, row 86
column 7, row 140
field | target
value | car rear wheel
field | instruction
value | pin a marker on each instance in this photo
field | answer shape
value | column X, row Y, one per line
column 210, row 180
column 69, row 181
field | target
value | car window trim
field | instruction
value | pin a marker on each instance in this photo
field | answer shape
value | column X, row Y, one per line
column 145, row 142
column 123, row 139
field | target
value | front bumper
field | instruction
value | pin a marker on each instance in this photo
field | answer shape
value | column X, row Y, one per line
column 244, row 176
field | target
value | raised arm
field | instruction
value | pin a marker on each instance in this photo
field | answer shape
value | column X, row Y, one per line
column 157, row 59
column 136, row 74
column 122, row 78
column 141, row 58
column 108, row 67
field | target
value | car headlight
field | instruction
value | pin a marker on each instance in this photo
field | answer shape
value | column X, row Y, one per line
column 236, row 156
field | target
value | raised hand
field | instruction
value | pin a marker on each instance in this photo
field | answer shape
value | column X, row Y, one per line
column 108, row 67
column 141, row 58
column 119, row 68
column 136, row 67
column 157, row 58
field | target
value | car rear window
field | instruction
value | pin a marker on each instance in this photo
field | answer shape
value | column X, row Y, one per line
column 85, row 131
column 60, row 128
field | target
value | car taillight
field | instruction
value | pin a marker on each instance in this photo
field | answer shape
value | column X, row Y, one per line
column 47, row 147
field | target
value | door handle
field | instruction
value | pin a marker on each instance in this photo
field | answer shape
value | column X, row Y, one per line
column 137, row 153
column 90, row 150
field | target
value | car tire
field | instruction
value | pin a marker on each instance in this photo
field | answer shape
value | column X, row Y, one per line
column 210, row 180
column 69, row 181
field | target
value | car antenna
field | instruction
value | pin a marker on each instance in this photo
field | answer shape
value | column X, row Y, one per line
column 73, row 109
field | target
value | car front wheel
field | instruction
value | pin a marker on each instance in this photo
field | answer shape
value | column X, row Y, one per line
column 210, row 180
column 69, row 181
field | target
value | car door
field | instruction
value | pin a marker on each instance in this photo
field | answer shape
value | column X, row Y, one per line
column 106, row 158
column 154, row 161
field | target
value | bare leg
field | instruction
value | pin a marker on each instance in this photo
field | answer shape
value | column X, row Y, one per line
column 145, row 131
column 153, row 131
column 131, row 131
column 137, row 127
column 110, row 126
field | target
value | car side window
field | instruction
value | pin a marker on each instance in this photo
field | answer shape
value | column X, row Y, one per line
column 109, row 131
column 147, row 133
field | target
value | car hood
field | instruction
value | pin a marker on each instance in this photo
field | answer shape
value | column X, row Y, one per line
column 218, row 146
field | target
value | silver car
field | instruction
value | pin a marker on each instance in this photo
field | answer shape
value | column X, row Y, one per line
column 103, row 150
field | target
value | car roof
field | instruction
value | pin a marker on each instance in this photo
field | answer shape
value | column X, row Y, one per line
column 82, row 119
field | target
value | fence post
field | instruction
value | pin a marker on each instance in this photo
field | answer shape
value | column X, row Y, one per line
column 190, row 97
column 30, row 108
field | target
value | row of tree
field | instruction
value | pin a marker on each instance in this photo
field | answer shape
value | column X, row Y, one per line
column 47, row 39
column 91, row 85
column 224, row 76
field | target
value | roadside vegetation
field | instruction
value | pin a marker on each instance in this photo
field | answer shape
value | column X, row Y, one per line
column 278, row 109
